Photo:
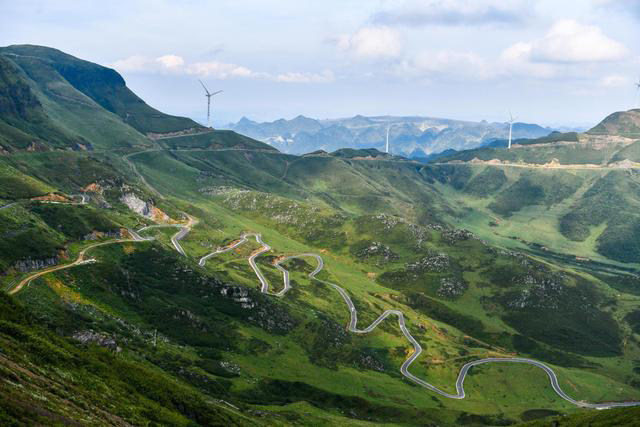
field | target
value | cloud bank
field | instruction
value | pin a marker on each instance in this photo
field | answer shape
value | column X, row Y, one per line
column 171, row 63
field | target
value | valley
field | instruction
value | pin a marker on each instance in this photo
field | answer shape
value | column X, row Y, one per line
column 201, row 277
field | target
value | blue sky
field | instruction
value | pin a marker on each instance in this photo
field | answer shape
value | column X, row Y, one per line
column 550, row 62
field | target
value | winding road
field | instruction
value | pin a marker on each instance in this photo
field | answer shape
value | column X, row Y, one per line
column 184, row 230
column 417, row 349
column 79, row 261
column 353, row 322
column 136, row 237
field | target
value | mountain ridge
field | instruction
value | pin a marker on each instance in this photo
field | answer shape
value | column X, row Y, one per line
column 409, row 135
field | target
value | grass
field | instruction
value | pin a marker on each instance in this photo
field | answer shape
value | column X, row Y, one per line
column 200, row 336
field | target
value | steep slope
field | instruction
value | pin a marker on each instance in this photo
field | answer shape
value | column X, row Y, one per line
column 49, row 380
column 103, row 85
column 24, row 124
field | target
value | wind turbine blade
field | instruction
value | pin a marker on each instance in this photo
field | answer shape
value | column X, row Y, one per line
column 215, row 93
column 205, row 88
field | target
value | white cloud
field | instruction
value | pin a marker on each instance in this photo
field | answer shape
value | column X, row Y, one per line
column 132, row 64
column 569, row 41
column 326, row 76
column 446, row 64
column 214, row 69
column 516, row 60
column 377, row 42
column 171, row 62
column 567, row 50
column 221, row 70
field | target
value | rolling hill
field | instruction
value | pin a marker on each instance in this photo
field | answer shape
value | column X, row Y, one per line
column 108, row 323
column 581, row 190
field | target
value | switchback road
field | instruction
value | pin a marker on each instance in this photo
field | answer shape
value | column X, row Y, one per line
column 417, row 349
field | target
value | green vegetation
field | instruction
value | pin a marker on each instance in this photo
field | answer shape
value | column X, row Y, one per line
column 102, row 85
column 608, row 418
column 145, row 336
column 535, row 189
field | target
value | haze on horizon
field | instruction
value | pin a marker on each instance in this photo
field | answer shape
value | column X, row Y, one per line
column 554, row 64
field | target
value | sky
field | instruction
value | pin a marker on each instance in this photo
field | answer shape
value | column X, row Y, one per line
column 558, row 63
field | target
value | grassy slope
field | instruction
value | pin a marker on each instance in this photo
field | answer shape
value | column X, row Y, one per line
column 587, row 213
column 340, row 255
column 50, row 380
column 321, row 203
column 102, row 85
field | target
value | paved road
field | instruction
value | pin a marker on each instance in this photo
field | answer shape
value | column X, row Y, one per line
column 79, row 261
column 136, row 237
column 353, row 322
column 417, row 349
column 184, row 230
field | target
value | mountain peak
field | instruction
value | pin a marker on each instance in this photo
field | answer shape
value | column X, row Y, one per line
column 622, row 123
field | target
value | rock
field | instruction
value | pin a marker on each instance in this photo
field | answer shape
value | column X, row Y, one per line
column 92, row 337
column 433, row 262
column 377, row 249
column 95, row 234
column 369, row 361
column 25, row 265
column 451, row 288
column 142, row 208
column 453, row 236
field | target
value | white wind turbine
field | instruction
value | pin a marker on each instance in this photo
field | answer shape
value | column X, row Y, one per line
column 511, row 119
column 386, row 150
column 637, row 94
column 208, row 95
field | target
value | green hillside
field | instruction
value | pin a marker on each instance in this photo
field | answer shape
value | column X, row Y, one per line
column 106, row 325
column 102, row 85
column 626, row 123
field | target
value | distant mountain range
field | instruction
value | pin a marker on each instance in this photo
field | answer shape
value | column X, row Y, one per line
column 412, row 136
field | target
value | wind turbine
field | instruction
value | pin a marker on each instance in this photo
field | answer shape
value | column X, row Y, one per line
column 637, row 94
column 208, row 95
column 511, row 119
column 387, row 146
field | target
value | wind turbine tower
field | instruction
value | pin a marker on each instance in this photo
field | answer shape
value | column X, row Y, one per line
column 208, row 95
column 637, row 94
column 510, row 128
column 387, row 146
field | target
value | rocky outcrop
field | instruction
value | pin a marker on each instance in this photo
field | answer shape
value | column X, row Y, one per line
column 541, row 292
column 94, row 187
column 433, row 262
column 260, row 310
column 96, row 235
column 377, row 250
column 368, row 360
column 451, row 288
column 29, row 264
column 453, row 236
column 97, row 338
column 142, row 208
